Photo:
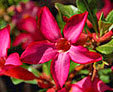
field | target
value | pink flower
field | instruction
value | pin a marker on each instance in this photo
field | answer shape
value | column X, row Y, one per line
column 59, row 48
column 86, row 85
column 9, row 65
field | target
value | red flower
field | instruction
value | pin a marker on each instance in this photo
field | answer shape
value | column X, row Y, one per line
column 86, row 85
column 58, row 48
column 9, row 65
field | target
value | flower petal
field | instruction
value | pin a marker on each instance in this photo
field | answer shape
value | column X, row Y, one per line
column 74, row 27
column 20, row 73
column 60, row 68
column 82, row 85
column 4, row 41
column 28, row 24
column 81, row 55
column 13, row 59
column 100, row 86
column 48, row 25
column 38, row 52
column 106, row 9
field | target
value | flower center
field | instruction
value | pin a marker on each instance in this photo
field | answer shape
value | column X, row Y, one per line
column 62, row 44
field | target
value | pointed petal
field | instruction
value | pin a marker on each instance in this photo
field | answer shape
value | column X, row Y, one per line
column 38, row 52
column 20, row 73
column 4, row 41
column 24, row 39
column 81, row 55
column 100, row 86
column 74, row 27
column 82, row 85
column 48, row 25
column 13, row 59
column 60, row 69
column 106, row 9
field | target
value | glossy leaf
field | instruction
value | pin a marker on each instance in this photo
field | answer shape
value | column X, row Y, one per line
column 67, row 10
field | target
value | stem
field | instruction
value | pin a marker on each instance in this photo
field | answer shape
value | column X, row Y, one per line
column 94, row 72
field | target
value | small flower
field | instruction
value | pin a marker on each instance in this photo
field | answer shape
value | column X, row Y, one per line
column 86, row 85
column 60, row 49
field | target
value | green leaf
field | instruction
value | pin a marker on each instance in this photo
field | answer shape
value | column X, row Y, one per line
column 84, row 72
column 91, row 7
column 16, row 81
column 67, row 10
column 105, row 74
column 106, row 48
column 42, row 90
column 46, row 67
column 72, row 66
column 109, row 17
column 2, row 23
column 31, row 82
column 34, row 71
column 60, row 21
column 105, row 78
column 103, row 25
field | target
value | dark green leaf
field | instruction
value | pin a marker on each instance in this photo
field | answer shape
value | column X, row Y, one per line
column 91, row 7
